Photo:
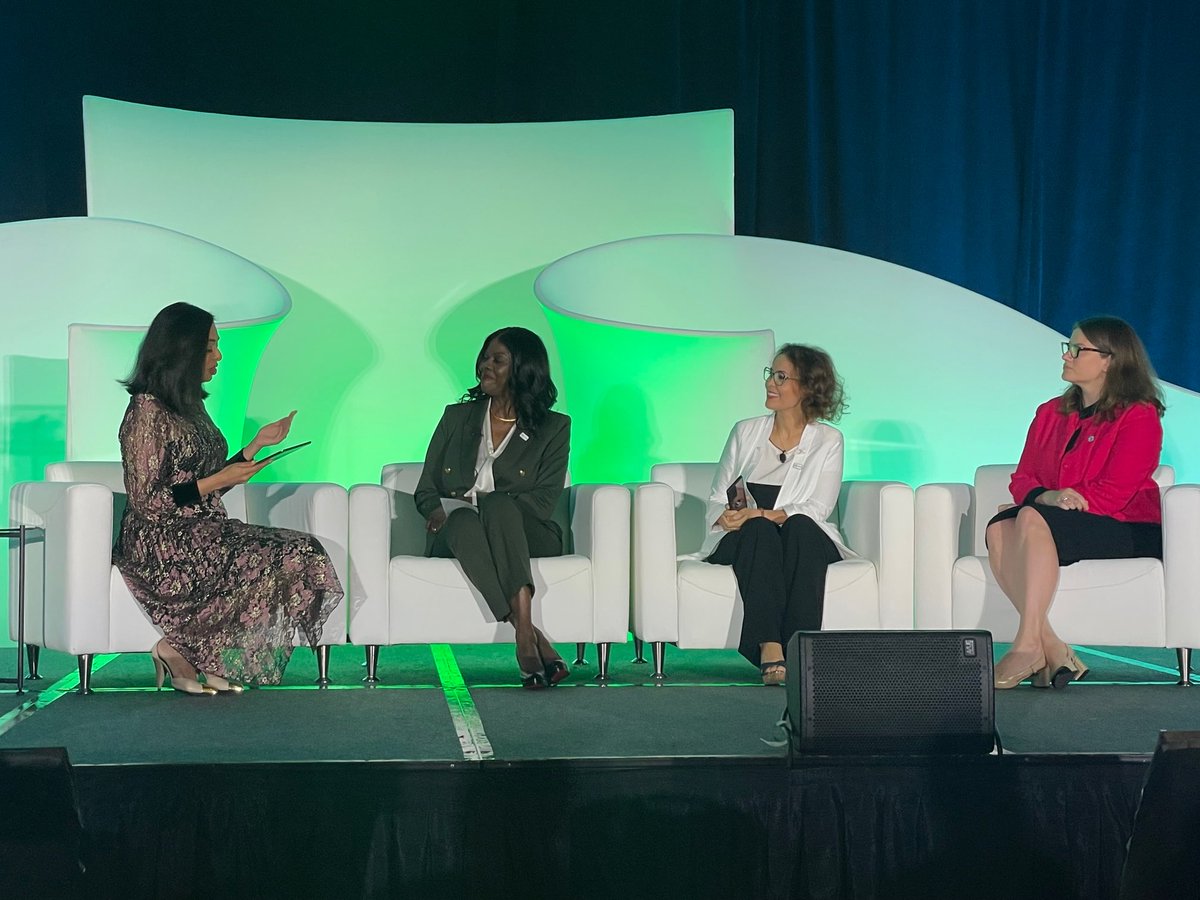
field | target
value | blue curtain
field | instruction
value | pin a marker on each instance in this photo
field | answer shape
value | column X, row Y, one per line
column 1041, row 152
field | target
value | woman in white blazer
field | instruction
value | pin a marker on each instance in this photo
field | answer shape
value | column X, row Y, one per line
column 788, row 465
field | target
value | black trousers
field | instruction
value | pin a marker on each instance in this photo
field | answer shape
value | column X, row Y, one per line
column 780, row 571
column 494, row 546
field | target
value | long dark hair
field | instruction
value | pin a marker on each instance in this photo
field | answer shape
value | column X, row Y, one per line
column 1130, row 378
column 170, row 361
column 824, row 393
column 533, row 391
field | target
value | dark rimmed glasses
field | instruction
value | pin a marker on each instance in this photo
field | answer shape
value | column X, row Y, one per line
column 1073, row 350
column 776, row 376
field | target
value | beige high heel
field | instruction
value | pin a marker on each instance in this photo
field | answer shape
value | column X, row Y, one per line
column 1006, row 682
column 1060, row 674
column 222, row 685
column 183, row 685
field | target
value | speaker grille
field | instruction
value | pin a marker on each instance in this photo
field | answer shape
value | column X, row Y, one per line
column 872, row 692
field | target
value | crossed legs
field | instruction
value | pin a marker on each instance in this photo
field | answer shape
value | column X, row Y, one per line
column 494, row 546
column 1024, row 559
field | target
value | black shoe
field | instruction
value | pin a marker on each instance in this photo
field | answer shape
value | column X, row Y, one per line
column 534, row 682
column 556, row 671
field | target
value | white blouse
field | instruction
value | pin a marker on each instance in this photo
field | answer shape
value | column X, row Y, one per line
column 770, row 468
column 485, row 479
column 810, row 486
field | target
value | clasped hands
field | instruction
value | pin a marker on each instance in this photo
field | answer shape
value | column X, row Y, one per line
column 734, row 519
column 1067, row 498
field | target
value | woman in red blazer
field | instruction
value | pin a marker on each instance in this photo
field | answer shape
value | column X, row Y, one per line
column 1082, row 490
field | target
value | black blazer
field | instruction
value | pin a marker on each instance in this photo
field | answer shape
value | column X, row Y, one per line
column 532, row 469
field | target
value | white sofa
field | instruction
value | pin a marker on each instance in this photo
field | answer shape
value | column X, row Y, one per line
column 401, row 597
column 693, row 604
column 76, row 600
column 1121, row 602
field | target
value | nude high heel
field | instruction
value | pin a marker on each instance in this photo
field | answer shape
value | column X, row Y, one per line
column 1011, row 680
column 1059, row 673
column 222, row 685
column 183, row 685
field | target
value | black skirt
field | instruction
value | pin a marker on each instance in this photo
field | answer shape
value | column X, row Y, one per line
column 1081, row 535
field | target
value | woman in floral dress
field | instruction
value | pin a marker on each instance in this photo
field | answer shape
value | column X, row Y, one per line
column 227, row 596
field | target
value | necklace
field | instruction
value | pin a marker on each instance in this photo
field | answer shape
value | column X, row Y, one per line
column 502, row 419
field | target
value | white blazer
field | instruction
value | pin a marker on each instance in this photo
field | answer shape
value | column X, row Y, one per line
column 810, row 488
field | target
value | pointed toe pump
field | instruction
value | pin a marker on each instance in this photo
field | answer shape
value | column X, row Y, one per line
column 1009, row 680
column 162, row 670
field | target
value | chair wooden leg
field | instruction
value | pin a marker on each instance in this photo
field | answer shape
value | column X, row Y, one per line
column 659, row 649
column 322, row 654
column 372, row 664
column 639, row 652
column 1184, row 655
column 580, row 660
column 602, row 651
column 85, row 673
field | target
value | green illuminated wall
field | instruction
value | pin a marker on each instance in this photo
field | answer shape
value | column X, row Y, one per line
column 78, row 294
column 403, row 245
column 940, row 380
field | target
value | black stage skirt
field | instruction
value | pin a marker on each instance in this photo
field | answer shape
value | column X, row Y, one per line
column 1081, row 535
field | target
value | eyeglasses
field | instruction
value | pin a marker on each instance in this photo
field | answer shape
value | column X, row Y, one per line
column 1073, row 350
column 770, row 374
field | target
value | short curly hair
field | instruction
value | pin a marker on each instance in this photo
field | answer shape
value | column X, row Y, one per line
column 825, row 394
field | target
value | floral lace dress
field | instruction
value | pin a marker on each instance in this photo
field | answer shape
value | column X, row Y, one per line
column 227, row 595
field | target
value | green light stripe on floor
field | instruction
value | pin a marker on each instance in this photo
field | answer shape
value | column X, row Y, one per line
column 13, row 716
column 467, row 723
column 627, row 684
column 49, row 694
column 1153, row 667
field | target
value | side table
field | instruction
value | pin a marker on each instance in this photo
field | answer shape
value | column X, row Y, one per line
column 23, row 534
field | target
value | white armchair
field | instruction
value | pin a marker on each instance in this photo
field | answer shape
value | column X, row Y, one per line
column 693, row 604
column 76, row 600
column 399, row 596
column 1123, row 602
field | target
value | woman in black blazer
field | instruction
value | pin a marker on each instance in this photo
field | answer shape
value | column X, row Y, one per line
column 495, row 469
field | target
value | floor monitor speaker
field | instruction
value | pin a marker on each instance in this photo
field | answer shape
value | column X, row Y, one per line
column 871, row 692
column 41, row 834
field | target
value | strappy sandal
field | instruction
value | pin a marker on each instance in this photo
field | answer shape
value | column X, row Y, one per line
column 774, row 672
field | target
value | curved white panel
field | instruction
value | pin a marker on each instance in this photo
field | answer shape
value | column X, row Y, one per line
column 940, row 379
column 114, row 275
column 401, row 244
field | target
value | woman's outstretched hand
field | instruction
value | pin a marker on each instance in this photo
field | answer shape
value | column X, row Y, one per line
column 270, row 435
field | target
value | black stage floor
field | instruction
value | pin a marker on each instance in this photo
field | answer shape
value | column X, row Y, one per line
column 447, row 780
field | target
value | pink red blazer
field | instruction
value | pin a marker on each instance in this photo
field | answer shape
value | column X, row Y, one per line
column 1110, row 465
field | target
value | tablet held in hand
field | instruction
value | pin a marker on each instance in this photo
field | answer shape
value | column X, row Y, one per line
column 284, row 452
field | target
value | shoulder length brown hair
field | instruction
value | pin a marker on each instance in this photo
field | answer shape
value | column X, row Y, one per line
column 1130, row 378
column 825, row 396
column 170, row 361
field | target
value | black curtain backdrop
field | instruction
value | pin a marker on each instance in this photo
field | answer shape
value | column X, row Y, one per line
column 1043, row 154
column 895, row 828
